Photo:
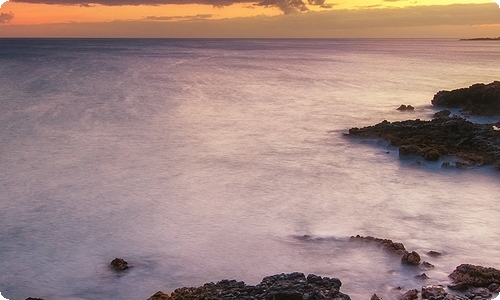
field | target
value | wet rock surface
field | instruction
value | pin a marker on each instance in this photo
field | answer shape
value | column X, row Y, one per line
column 411, row 258
column 119, row 264
column 277, row 287
column 477, row 144
column 479, row 99
column 476, row 276
column 386, row 244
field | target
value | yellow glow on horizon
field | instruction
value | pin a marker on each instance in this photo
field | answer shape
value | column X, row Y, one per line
column 242, row 19
column 33, row 14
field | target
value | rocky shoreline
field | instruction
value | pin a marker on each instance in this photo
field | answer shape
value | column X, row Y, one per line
column 469, row 282
column 473, row 144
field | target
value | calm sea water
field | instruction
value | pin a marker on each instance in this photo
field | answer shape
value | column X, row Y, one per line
column 198, row 160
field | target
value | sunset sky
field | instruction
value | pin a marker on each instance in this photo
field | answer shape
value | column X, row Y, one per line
column 250, row 18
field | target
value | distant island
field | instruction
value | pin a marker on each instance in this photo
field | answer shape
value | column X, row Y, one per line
column 482, row 39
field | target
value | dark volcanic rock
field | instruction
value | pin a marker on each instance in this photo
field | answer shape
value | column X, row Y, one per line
column 476, row 276
column 277, row 287
column 478, row 144
column 479, row 99
column 481, row 292
column 411, row 258
column 403, row 107
column 434, row 253
column 410, row 295
column 386, row 244
column 433, row 292
column 159, row 296
column 442, row 114
column 118, row 264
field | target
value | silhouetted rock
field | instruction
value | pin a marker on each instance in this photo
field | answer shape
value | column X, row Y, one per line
column 29, row 298
column 411, row 258
column 292, row 286
column 478, row 99
column 442, row 114
column 476, row 276
column 477, row 144
column 118, row 264
column 403, row 107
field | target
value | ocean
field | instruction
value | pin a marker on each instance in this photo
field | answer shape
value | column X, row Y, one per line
column 199, row 160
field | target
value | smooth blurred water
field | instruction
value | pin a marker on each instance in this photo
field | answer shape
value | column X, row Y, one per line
column 198, row 160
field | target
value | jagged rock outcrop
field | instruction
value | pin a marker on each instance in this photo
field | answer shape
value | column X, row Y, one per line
column 386, row 244
column 411, row 258
column 119, row 264
column 479, row 99
column 476, row 276
column 277, row 287
column 478, row 144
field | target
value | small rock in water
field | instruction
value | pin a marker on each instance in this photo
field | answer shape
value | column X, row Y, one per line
column 119, row 264
column 375, row 297
column 427, row 265
column 403, row 107
column 411, row 258
column 422, row 276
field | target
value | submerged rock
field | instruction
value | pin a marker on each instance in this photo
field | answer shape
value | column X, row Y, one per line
column 479, row 99
column 277, row 287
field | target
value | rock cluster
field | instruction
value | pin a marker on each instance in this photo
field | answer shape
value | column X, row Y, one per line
column 408, row 258
column 477, row 144
column 292, row 286
column 479, row 99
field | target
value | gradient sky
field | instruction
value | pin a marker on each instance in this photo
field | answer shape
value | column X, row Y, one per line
column 250, row 18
